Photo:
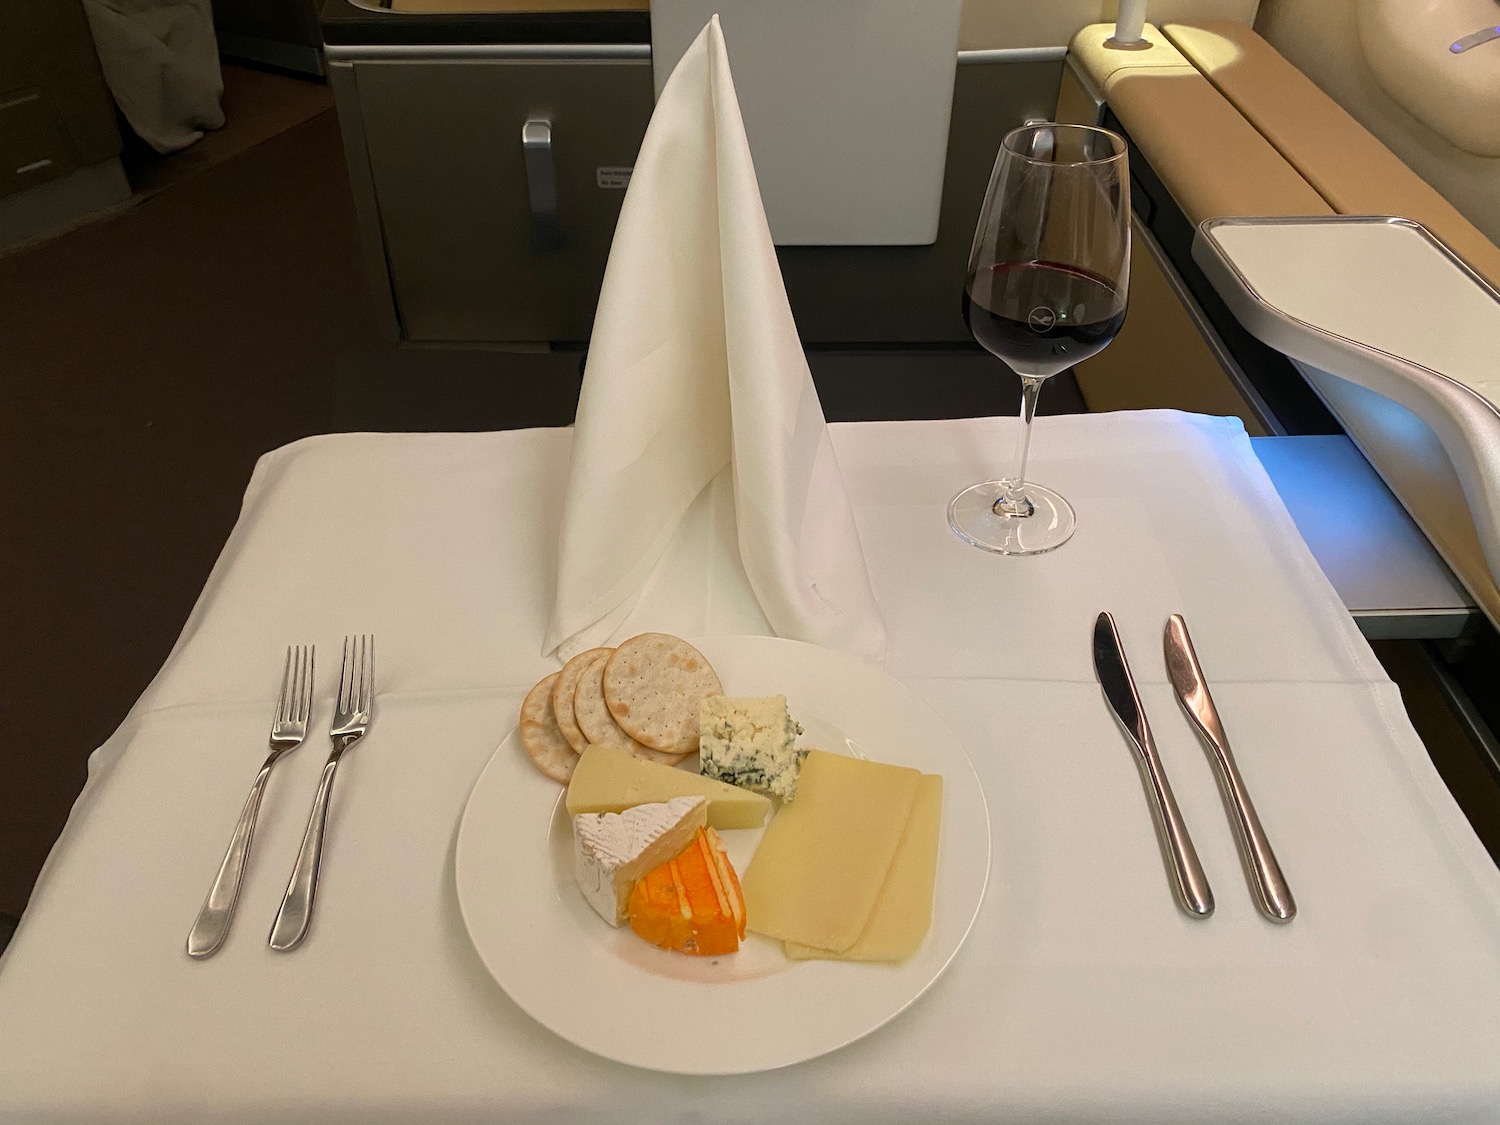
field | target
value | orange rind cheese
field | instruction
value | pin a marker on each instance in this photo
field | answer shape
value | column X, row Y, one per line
column 691, row 904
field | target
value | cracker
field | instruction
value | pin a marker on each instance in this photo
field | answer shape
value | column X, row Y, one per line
column 653, row 685
column 541, row 736
column 562, row 696
column 597, row 725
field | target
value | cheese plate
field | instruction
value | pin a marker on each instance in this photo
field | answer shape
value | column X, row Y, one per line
column 608, row 992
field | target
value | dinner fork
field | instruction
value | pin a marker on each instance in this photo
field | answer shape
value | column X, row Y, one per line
column 288, row 730
column 351, row 718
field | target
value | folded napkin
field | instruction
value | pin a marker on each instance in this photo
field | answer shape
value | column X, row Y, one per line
column 695, row 368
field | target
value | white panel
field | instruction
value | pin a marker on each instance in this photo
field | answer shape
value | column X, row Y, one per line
column 846, row 104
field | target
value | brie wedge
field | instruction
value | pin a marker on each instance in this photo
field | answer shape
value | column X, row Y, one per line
column 611, row 851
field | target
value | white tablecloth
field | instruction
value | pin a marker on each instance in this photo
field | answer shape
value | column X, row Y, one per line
column 1082, row 994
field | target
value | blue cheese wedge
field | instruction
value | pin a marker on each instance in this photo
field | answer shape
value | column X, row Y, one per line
column 612, row 851
column 750, row 743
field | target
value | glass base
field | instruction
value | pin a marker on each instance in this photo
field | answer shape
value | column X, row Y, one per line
column 973, row 518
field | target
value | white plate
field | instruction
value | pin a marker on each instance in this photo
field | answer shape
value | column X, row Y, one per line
column 611, row 993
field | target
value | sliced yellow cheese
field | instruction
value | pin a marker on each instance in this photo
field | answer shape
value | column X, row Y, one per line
column 903, row 912
column 609, row 781
column 818, row 871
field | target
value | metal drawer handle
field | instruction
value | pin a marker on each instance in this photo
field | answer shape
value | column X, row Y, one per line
column 541, row 184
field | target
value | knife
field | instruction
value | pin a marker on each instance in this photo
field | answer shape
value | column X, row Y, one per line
column 1188, row 880
column 1267, row 884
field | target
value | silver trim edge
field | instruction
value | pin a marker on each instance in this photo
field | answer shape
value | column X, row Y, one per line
column 498, row 52
column 1012, row 55
column 501, row 52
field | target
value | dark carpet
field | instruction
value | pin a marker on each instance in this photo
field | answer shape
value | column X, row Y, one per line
column 145, row 363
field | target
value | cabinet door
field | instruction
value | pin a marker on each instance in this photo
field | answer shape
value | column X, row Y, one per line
column 446, row 154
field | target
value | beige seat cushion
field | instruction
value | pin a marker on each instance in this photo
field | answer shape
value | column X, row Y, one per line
column 1455, row 95
column 1348, row 165
column 1321, row 38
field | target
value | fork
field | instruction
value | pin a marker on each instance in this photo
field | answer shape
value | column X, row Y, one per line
column 288, row 730
column 351, row 718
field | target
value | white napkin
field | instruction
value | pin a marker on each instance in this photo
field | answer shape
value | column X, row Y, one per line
column 695, row 367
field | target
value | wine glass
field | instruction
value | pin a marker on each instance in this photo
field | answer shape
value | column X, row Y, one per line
column 1045, row 290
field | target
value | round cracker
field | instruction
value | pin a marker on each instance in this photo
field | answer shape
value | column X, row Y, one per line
column 562, row 696
column 597, row 726
column 540, row 735
column 653, row 685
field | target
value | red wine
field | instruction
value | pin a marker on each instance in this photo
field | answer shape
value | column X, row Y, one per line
column 1041, row 317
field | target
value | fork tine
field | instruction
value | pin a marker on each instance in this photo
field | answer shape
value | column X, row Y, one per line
column 345, row 679
column 299, row 695
column 286, row 680
column 357, row 689
column 293, row 685
column 309, row 682
column 369, row 692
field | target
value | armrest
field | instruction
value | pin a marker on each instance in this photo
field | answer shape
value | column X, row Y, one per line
column 1213, row 161
column 1379, row 305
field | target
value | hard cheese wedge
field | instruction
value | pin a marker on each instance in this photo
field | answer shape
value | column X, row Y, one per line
column 903, row 912
column 818, row 871
column 609, row 781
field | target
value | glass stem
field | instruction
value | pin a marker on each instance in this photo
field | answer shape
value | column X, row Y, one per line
column 1013, row 501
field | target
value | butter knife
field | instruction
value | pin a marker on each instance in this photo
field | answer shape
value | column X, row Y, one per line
column 1267, row 884
column 1188, row 881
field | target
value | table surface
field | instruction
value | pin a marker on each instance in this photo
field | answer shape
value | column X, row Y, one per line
column 1082, row 993
column 1385, row 570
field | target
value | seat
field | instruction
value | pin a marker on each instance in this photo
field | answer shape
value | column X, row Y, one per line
column 1239, row 131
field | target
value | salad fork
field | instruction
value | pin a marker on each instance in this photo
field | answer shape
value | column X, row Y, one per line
column 351, row 718
column 287, row 733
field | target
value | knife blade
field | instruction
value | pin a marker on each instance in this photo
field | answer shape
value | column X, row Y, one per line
column 1188, row 880
column 1268, row 886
